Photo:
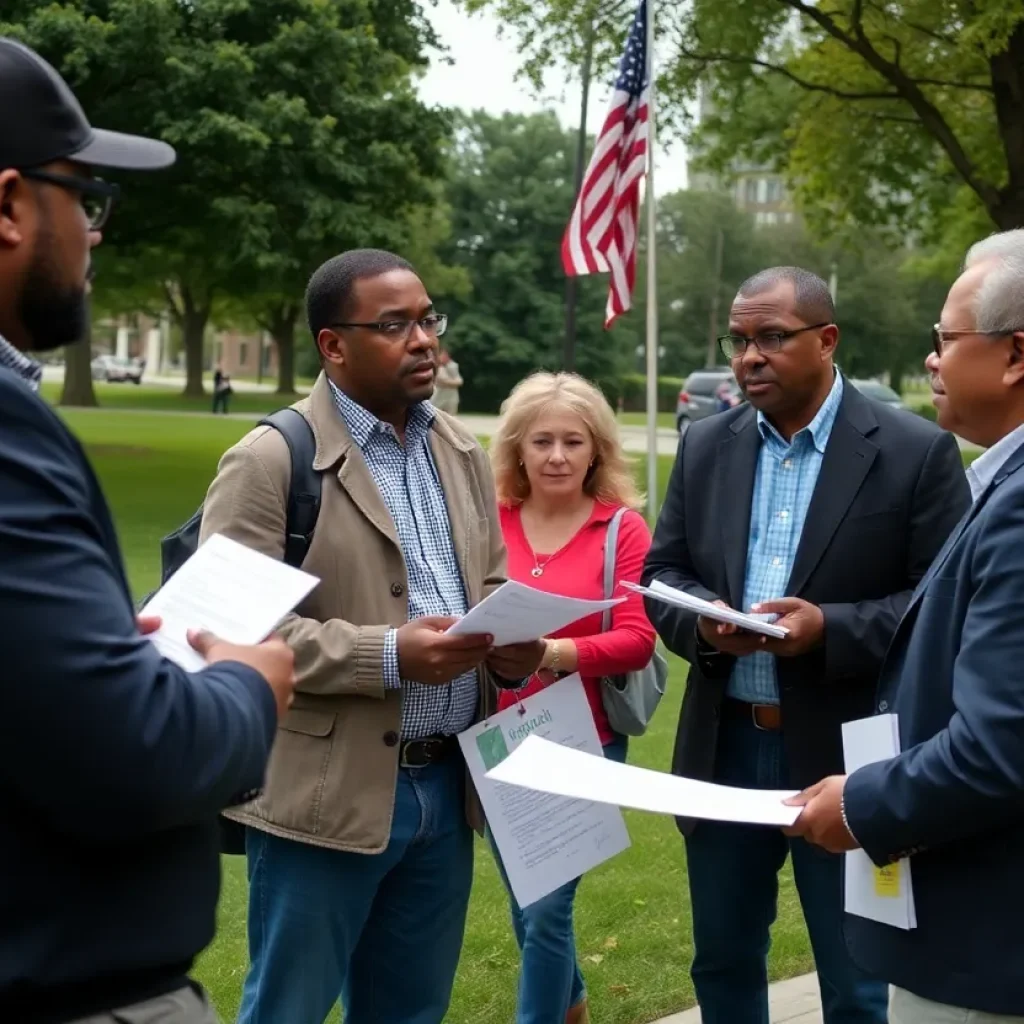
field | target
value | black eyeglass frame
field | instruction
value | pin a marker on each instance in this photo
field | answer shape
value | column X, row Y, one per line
column 97, row 188
column 434, row 329
column 772, row 340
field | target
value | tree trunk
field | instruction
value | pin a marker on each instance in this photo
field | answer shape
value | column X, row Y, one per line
column 193, row 329
column 193, row 318
column 282, row 330
column 896, row 379
column 78, row 389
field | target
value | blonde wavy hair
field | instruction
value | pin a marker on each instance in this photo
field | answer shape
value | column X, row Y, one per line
column 610, row 479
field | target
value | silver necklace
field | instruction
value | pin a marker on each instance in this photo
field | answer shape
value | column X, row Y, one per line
column 538, row 570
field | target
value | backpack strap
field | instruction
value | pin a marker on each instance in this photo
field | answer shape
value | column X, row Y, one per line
column 611, row 540
column 305, row 484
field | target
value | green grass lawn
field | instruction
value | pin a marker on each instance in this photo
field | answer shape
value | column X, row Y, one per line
column 666, row 420
column 158, row 398
column 633, row 917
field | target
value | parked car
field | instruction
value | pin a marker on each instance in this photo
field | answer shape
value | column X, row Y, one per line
column 698, row 397
column 116, row 369
column 879, row 392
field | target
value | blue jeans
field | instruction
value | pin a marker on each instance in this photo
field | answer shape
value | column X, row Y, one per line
column 550, row 981
column 733, row 871
column 382, row 931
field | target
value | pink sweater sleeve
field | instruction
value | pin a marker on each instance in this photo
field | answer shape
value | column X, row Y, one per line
column 629, row 643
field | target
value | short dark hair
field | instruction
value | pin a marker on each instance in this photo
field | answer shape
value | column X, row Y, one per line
column 329, row 292
column 812, row 298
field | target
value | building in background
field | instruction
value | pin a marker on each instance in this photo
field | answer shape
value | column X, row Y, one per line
column 756, row 188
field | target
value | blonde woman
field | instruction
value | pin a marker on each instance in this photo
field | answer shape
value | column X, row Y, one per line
column 561, row 476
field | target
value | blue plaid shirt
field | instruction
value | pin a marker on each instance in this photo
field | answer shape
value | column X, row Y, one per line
column 408, row 482
column 17, row 362
column 783, row 487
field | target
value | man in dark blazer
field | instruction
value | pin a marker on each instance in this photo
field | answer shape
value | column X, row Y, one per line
column 114, row 762
column 821, row 506
column 953, row 800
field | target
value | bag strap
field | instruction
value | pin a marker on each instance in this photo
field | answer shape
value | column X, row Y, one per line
column 611, row 540
column 305, row 484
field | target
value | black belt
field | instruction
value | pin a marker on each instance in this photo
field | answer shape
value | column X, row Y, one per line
column 767, row 717
column 428, row 750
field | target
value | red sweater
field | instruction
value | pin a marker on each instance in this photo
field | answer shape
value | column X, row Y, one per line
column 578, row 571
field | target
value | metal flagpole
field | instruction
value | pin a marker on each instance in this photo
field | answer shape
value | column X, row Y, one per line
column 652, row 288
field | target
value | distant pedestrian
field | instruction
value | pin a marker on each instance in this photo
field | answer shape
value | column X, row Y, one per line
column 447, row 384
column 222, row 391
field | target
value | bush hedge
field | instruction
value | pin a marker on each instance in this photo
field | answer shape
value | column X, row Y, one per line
column 631, row 388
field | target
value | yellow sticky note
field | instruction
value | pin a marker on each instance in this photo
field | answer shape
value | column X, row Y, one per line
column 887, row 881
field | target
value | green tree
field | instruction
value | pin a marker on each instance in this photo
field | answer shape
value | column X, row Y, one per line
column 297, row 131
column 510, row 189
column 900, row 114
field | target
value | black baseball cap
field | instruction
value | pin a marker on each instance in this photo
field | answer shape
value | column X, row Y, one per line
column 41, row 121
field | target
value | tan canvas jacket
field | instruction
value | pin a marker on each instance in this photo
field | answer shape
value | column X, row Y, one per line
column 333, row 770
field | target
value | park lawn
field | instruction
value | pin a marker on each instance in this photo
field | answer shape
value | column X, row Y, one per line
column 666, row 420
column 633, row 919
column 160, row 398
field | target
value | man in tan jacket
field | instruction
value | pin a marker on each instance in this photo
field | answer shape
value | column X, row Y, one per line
column 360, row 850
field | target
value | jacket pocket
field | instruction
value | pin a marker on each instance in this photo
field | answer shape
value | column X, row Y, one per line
column 298, row 769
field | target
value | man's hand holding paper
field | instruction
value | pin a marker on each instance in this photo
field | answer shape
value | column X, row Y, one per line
column 429, row 653
column 727, row 637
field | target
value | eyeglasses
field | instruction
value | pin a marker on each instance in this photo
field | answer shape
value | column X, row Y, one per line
column 433, row 326
column 939, row 336
column 734, row 345
column 97, row 196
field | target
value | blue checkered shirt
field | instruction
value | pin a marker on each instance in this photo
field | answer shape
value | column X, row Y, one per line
column 17, row 362
column 783, row 488
column 408, row 482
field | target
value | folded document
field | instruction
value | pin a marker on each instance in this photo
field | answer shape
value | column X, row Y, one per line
column 669, row 595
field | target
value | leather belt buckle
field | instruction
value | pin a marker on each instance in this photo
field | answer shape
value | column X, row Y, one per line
column 766, row 717
column 429, row 750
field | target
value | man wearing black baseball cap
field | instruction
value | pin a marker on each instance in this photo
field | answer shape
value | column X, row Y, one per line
column 114, row 762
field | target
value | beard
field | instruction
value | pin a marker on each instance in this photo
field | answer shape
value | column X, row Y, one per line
column 53, row 314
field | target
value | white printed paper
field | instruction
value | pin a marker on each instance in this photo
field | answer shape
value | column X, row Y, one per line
column 879, row 894
column 670, row 595
column 549, row 768
column 544, row 840
column 516, row 614
column 236, row 593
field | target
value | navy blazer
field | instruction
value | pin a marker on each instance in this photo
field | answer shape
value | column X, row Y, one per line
column 890, row 490
column 954, row 799
column 114, row 762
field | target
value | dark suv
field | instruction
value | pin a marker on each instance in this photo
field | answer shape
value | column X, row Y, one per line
column 698, row 397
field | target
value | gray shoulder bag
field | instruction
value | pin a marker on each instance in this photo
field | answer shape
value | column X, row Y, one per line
column 630, row 700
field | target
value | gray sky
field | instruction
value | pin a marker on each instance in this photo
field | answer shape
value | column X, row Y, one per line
column 483, row 75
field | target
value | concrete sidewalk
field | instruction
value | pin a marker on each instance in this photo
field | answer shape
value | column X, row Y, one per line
column 795, row 1001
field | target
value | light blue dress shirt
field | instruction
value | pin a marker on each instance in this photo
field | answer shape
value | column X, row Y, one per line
column 783, row 488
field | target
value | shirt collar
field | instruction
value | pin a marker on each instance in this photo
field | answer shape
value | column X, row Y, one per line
column 820, row 428
column 362, row 424
column 982, row 471
column 17, row 362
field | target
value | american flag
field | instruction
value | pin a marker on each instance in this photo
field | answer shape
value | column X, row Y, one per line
column 601, row 236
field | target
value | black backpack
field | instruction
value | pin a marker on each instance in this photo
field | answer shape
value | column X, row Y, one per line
column 303, row 500
column 303, row 508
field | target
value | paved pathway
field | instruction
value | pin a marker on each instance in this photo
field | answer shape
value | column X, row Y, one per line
column 634, row 438
column 796, row 1001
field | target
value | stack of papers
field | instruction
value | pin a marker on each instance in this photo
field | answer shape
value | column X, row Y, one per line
column 669, row 595
column 883, row 894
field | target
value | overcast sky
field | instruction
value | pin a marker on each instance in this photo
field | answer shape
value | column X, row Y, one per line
column 483, row 75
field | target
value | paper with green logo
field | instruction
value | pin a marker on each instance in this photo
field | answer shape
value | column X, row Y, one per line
column 544, row 840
